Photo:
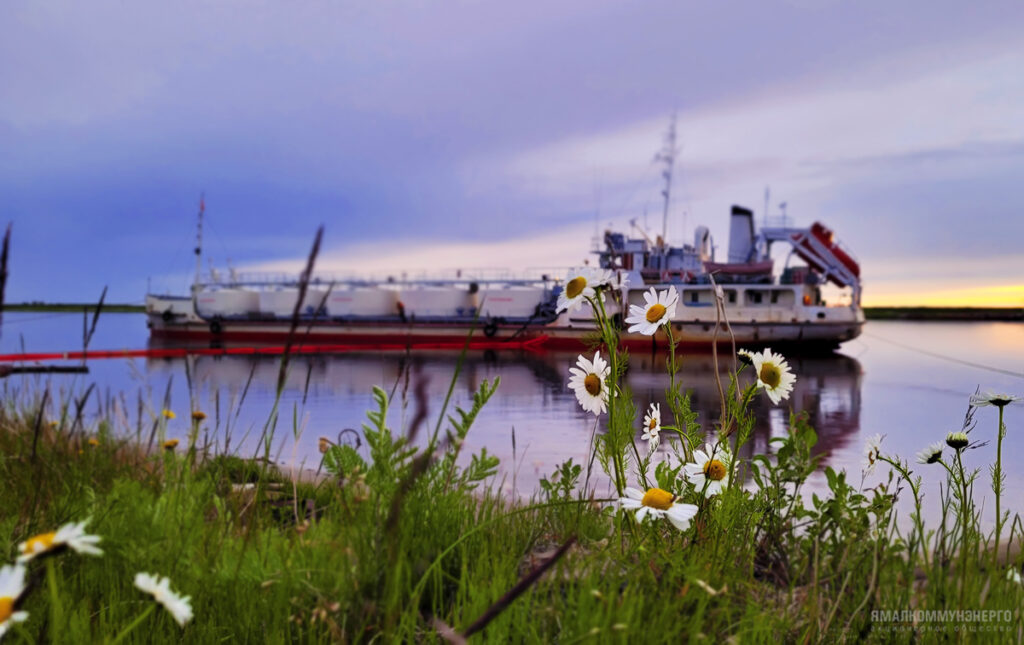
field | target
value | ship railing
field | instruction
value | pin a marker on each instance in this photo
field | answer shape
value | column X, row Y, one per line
column 268, row 280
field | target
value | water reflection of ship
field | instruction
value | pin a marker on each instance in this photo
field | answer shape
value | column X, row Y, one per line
column 827, row 387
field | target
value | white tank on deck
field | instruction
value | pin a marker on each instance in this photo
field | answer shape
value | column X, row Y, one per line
column 509, row 302
column 280, row 302
column 227, row 303
column 437, row 302
column 361, row 301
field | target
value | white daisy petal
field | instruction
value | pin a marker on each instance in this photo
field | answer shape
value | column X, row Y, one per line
column 872, row 448
column 710, row 470
column 773, row 374
column 657, row 503
column 997, row 399
column 12, row 586
column 931, row 454
column 72, row 535
column 589, row 383
column 179, row 606
column 659, row 309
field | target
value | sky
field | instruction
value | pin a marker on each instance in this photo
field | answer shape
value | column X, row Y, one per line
column 442, row 135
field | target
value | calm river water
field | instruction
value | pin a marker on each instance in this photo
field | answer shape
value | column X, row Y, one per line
column 909, row 381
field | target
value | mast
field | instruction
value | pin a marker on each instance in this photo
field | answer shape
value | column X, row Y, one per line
column 667, row 156
column 199, row 245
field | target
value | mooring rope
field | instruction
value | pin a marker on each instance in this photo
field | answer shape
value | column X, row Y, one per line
column 945, row 357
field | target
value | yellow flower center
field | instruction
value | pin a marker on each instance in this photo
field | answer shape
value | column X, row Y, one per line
column 39, row 543
column 653, row 424
column 6, row 608
column 655, row 312
column 94, row 442
column 658, row 498
column 168, row 414
column 714, row 470
column 575, row 286
column 770, row 375
column 593, row 384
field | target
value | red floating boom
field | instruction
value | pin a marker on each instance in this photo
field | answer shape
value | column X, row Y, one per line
column 180, row 352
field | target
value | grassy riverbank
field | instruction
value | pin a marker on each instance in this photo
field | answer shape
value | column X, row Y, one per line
column 404, row 544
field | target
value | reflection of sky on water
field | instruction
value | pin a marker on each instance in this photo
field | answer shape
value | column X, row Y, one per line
column 881, row 383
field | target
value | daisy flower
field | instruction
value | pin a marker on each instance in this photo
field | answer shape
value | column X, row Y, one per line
column 710, row 470
column 71, row 534
column 580, row 285
column 658, row 503
column 180, row 607
column 659, row 309
column 12, row 585
column 931, row 454
column 588, row 382
column 957, row 440
column 773, row 374
column 652, row 424
column 999, row 400
column 872, row 448
column 1011, row 574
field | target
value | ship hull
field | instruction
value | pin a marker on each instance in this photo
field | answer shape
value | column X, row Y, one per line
column 806, row 334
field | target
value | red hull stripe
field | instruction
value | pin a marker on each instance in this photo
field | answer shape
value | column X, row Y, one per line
column 527, row 344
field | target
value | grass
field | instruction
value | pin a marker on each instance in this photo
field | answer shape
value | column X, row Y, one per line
column 406, row 540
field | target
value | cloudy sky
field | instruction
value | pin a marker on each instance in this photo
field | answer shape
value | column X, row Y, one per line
column 460, row 134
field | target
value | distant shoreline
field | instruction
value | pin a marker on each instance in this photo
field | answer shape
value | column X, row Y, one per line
column 73, row 307
column 950, row 314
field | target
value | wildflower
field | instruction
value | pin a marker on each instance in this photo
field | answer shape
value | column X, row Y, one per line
column 1012, row 574
column 659, row 309
column 957, row 440
column 658, row 503
column 652, row 424
column 773, row 374
column 168, row 414
column 170, row 444
column 324, row 445
column 872, row 448
column 931, row 454
column 93, row 441
column 160, row 588
column 71, row 534
column 588, row 382
column 580, row 285
column 198, row 415
column 12, row 586
column 710, row 470
column 993, row 398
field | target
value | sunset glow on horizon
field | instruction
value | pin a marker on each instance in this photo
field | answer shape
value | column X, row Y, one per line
column 1008, row 296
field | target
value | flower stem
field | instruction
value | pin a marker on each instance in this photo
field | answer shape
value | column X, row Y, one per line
column 997, row 484
column 56, row 612
column 135, row 623
column 963, row 530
